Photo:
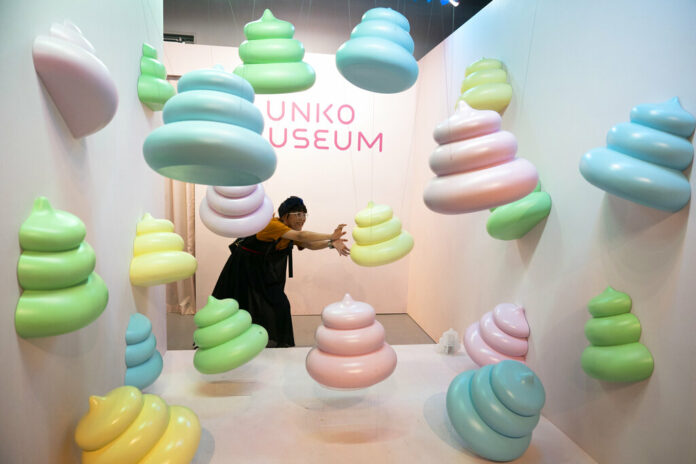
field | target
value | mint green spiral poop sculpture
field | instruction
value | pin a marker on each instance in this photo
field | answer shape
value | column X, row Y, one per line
column 211, row 133
column 495, row 409
column 153, row 88
column 272, row 58
column 62, row 293
column 615, row 354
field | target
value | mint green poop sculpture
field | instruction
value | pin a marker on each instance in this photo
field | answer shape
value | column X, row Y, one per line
column 272, row 58
column 153, row 88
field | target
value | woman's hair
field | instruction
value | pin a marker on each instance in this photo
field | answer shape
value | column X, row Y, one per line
column 291, row 205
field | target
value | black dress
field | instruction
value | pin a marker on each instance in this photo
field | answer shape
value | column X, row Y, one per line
column 254, row 275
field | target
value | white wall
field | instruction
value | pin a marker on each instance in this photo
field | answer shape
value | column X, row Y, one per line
column 577, row 68
column 335, row 184
column 103, row 179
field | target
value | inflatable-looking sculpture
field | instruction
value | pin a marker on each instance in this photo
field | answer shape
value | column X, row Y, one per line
column 153, row 88
column 236, row 211
column 485, row 86
column 514, row 220
column 379, row 238
column 500, row 334
column 143, row 361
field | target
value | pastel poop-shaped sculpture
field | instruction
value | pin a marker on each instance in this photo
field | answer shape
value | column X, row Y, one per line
column 212, row 133
column 143, row 361
column 485, row 86
column 62, row 293
column 379, row 54
column 378, row 238
column 475, row 164
column 127, row 426
column 153, row 88
column 272, row 58
column 615, row 354
column 644, row 158
column 226, row 338
column 236, row 211
column 499, row 334
column 351, row 352
column 495, row 409
column 514, row 220
column 157, row 254
column 78, row 82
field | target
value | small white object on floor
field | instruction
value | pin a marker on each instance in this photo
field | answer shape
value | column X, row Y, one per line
column 449, row 342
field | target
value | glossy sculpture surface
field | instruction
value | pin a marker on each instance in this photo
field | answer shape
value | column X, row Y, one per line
column 514, row 220
column 378, row 237
column 143, row 361
column 153, row 88
column 236, row 211
column 485, row 86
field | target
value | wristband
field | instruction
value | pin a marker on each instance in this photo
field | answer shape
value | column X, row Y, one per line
column 331, row 244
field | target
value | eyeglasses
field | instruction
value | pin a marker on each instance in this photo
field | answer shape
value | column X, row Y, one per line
column 299, row 214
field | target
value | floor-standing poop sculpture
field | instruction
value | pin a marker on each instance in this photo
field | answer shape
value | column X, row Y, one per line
column 225, row 337
column 495, row 409
column 514, row 220
column 379, row 54
column 126, row 426
column 644, row 158
column 475, row 164
column 615, row 354
column 236, row 211
column 62, row 293
column 485, row 86
column 158, row 256
column 351, row 352
column 378, row 238
column 272, row 58
column 153, row 88
column 79, row 83
column 211, row 133
column 500, row 334
column 143, row 361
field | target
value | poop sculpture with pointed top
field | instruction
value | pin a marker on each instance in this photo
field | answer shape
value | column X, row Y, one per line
column 379, row 54
column 514, row 220
column 272, row 58
column 78, row 82
column 644, row 158
column 62, row 293
column 499, row 334
column 226, row 338
column 485, row 86
column 212, row 133
column 143, row 361
column 153, row 88
column 475, row 164
column 495, row 409
column 351, row 352
column 127, row 426
column 157, row 254
column 615, row 355
column 378, row 238
column 236, row 211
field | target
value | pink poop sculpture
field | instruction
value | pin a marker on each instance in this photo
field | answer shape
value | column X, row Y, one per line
column 500, row 334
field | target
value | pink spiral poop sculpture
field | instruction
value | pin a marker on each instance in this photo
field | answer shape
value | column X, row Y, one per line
column 500, row 334
column 236, row 211
column 350, row 352
column 475, row 164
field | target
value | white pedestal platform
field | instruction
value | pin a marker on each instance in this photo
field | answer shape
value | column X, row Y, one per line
column 270, row 410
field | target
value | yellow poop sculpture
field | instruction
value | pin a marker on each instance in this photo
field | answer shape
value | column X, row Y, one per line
column 378, row 238
column 485, row 86
column 126, row 426
column 157, row 254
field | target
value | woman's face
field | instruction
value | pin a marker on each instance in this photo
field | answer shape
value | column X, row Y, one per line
column 295, row 220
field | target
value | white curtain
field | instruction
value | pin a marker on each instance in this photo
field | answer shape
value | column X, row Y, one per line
column 179, row 196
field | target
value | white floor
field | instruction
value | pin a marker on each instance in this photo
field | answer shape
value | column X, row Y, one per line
column 270, row 410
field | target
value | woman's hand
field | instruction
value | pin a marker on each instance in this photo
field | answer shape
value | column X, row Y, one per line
column 340, row 246
column 338, row 232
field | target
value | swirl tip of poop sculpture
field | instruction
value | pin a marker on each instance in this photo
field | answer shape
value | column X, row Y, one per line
column 153, row 88
column 272, row 59
column 499, row 334
column 236, row 211
column 128, row 426
column 485, row 86
column 61, row 291
column 143, row 361
column 516, row 219
column 211, row 133
column 351, row 352
column 614, row 354
column 226, row 338
column 78, row 82
column 378, row 57
column 379, row 238
column 495, row 409
column 644, row 159
column 475, row 164
column 158, row 256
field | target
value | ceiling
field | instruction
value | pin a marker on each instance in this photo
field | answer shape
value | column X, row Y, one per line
column 321, row 25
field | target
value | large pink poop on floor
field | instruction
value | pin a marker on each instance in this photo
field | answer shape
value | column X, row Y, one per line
column 500, row 334
column 351, row 352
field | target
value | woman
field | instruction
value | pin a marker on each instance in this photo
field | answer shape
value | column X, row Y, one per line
column 254, row 274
